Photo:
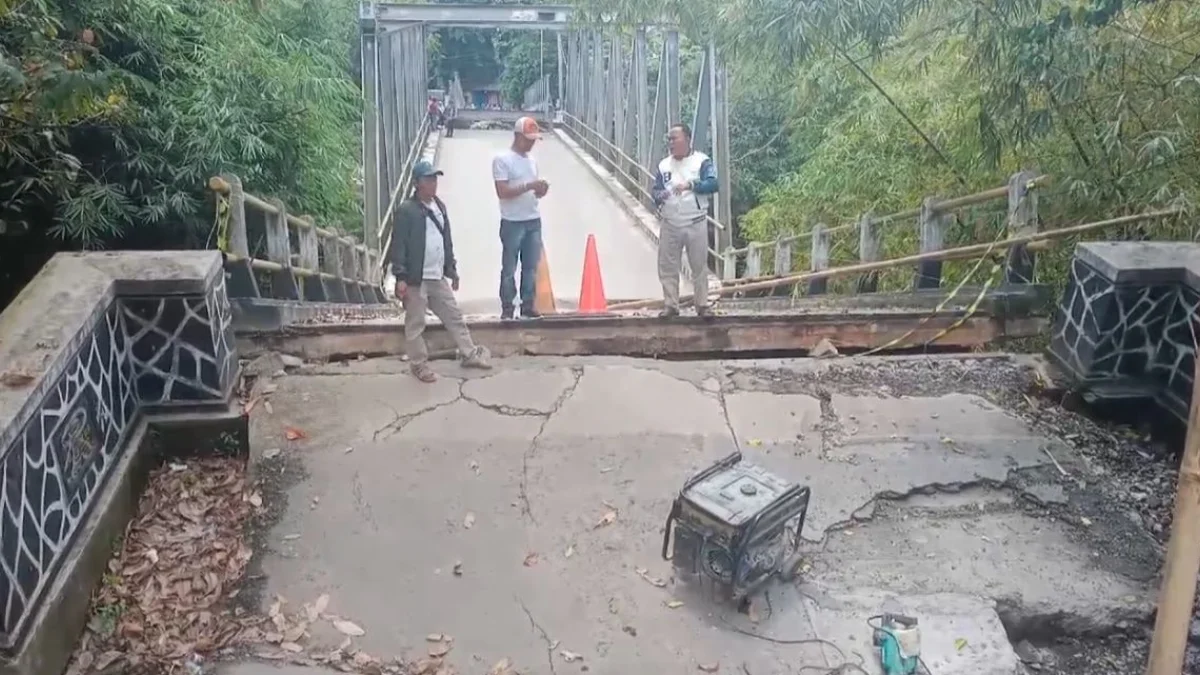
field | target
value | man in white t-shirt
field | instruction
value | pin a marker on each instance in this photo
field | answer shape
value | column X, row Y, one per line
column 519, row 188
column 422, row 257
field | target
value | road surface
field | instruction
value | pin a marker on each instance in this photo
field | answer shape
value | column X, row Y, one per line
column 521, row 512
column 576, row 206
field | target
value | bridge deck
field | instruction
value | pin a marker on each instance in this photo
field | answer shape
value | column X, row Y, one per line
column 576, row 206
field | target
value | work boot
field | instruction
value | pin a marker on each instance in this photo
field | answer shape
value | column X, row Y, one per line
column 478, row 359
column 530, row 313
column 668, row 313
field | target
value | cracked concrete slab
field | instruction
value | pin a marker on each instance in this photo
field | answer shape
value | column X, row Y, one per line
column 538, row 451
column 1034, row 562
column 520, row 392
column 764, row 419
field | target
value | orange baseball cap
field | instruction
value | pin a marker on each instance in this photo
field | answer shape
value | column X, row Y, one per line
column 528, row 127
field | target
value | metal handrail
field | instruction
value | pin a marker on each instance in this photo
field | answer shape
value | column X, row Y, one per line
column 716, row 223
column 405, row 174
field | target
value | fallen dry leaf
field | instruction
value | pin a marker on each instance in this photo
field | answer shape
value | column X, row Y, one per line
column 570, row 551
column 348, row 628
column 293, row 434
column 271, row 453
column 291, row 647
column 570, row 657
column 502, row 667
column 531, row 560
column 458, row 568
column 709, row 667
column 15, row 378
column 249, row 406
column 439, row 649
column 608, row 519
column 654, row 581
column 674, row 604
column 268, row 407
column 469, row 520
column 255, row 500
column 321, row 604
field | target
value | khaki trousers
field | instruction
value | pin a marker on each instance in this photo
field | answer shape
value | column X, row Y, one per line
column 437, row 296
column 673, row 241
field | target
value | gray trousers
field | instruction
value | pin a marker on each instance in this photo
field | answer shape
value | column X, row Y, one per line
column 438, row 297
column 673, row 241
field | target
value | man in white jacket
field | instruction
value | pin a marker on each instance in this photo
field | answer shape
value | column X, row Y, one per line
column 683, row 186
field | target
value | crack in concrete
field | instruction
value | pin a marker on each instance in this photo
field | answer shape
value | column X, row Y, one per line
column 501, row 408
column 400, row 421
column 550, row 644
column 526, row 509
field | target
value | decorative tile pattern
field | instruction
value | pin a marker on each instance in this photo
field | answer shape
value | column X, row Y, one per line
column 1130, row 332
column 149, row 352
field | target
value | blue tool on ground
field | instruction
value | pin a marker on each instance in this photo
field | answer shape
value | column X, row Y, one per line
column 899, row 641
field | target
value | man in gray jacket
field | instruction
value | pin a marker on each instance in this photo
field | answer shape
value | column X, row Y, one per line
column 426, row 272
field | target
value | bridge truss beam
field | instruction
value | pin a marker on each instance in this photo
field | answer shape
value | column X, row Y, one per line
column 607, row 106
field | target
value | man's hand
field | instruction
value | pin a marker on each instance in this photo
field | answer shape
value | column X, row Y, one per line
column 401, row 289
column 540, row 187
column 454, row 284
column 680, row 188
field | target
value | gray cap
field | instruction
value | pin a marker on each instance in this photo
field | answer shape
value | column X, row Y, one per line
column 424, row 169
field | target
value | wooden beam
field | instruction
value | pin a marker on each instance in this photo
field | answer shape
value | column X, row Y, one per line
column 647, row 336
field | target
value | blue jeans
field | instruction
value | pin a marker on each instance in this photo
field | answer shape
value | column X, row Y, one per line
column 522, row 243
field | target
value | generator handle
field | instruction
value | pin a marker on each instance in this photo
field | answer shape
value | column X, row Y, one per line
column 796, row 493
column 671, row 516
column 722, row 465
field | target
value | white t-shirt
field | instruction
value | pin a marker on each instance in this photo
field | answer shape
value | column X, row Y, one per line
column 517, row 170
column 435, row 247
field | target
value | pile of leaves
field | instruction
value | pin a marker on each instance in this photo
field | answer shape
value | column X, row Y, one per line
column 166, row 596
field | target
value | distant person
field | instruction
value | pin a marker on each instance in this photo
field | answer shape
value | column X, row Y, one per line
column 682, row 186
column 422, row 258
column 519, row 189
column 435, row 113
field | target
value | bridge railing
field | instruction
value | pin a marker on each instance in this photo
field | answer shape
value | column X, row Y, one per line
column 403, row 183
column 1015, row 205
column 272, row 254
column 635, row 178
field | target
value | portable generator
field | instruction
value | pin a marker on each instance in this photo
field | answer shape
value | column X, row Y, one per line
column 733, row 526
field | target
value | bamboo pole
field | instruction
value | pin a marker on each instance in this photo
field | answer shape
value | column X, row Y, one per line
column 1178, row 591
column 944, row 254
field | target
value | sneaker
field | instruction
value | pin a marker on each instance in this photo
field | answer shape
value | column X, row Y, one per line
column 530, row 313
column 704, row 311
column 506, row 314
column 668, row 313
column 478, row 359
column 424, row 373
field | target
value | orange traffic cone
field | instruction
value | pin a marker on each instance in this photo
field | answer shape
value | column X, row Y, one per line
column 591, row 295
column 543, row 298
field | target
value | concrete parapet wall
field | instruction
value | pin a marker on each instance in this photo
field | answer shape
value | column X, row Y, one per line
column 1127, row 321
column 94, row 348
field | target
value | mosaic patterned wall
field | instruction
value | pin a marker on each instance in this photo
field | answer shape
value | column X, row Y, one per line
column 142, row 353
column 1133, row 333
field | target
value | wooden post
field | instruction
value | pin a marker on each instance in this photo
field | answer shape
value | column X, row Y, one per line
column 931, row 228
column 1178, row 590
column 239, row 241
column 310, row 259
column 754, row 261
column 820, row 259
column 868, row 251
column 728, row 264
column 242, row 283
column 279, row 249
column 1022, row 220
column 783, row 256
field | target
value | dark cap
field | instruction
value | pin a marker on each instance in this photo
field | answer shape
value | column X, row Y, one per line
column 424, row 169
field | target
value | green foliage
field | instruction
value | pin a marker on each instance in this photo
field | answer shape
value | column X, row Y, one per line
column 842, row 108
column 526, row 56
column 114, row 113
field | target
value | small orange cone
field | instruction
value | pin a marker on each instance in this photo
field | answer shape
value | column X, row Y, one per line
column 591, row 295
column 543, row 298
